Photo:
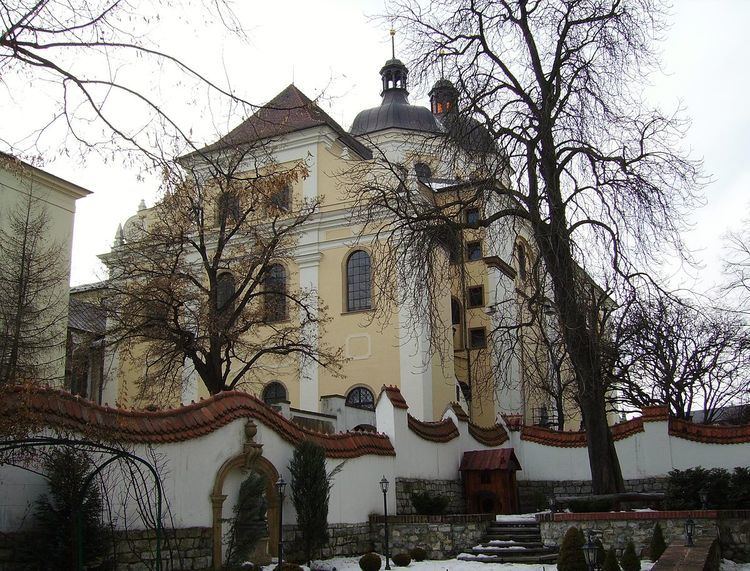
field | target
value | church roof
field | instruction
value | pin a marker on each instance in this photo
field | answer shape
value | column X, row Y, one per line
column 395, row 112
column 290, row 111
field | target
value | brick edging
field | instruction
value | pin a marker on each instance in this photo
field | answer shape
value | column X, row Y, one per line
column 650, row 515
column 455, row 518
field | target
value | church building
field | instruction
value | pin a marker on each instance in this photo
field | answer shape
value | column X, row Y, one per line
column 337, row 257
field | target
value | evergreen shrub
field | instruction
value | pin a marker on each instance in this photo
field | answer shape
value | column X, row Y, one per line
column 571, row 556
column 310, row 494
column 630, row 561
column 401, row 559
column 610, row 561
column 428, row 504
column 370, row 562
column 418, row 554
column 51, row 545
column 657, row 545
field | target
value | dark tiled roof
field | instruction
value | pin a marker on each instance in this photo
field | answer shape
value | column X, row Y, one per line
column 440, row 431
column 63, row 410
column 488, row 435
column 498, row 459
column 87, row 317
column 288, row 112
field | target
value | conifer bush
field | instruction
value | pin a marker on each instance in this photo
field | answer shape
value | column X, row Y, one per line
column 310, row 495
column 610, row 561
column 418, row 554
column 630, row 561
column 657, row 545
column 52, row 543
column 370, row 562
column 249, row 518
column 571, row 556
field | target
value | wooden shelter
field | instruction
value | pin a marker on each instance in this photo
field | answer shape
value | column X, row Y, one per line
column 489, row 478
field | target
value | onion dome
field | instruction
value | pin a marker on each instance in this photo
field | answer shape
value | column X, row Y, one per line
column 463, row 129
column 394, row 111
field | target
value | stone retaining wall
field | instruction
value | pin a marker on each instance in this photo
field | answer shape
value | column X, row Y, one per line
column 533, row 494
column 731, row 527
column 452, row 489
column 135, row 550
column 344, row 540
column 441, row 537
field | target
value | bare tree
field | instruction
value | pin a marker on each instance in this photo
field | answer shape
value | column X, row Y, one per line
column 98, row 61
column 737, row 265
column 574, row 156
column 202, row 279
column 33, row 287
column 685, row 357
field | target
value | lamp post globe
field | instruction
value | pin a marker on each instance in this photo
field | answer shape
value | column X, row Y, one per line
column 689, row 531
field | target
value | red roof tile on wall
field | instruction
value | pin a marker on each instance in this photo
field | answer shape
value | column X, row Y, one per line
column 654, row 413
column 514, row 422
column 577, row 439
column 61, row 409
column 441, row 431
column 458, row 411
column 488, row 435
column 709, row 434
column 394, row 395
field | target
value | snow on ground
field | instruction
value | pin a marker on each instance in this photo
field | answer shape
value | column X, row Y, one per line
column 727, row 565
column 516, row 518
column 351, row 564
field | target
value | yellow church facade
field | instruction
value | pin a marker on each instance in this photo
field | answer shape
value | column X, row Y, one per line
column 337, row 257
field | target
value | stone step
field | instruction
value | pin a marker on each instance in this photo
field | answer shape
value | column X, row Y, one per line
column 551, row 558
column 503, row 551
column 512, row 537
column 512, row 543
column 508, row 529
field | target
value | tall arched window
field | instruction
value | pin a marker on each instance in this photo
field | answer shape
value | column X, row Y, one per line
column 361, row 397
column 522, row 261
column 224, row 290
column 274, row 287
column 274, row 393
column 456, row 321
column 358, row 281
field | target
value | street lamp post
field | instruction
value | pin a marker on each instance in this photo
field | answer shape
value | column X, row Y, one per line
column 384, row 488
column 280, row 487
column 591, row 552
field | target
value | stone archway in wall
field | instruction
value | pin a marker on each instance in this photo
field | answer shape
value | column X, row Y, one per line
column 250, row 459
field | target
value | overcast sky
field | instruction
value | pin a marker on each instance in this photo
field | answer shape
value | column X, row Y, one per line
column 333, row 47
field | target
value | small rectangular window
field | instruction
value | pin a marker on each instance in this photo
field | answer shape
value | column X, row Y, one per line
column 474, row 251
column 477, row 338
column 475, row 296
column 472, row 216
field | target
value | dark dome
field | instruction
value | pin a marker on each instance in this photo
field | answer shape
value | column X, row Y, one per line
column 468, row 133
column 395, row 112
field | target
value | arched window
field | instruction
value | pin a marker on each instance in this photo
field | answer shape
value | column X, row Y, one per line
column 274, row 393
column 274, row 288
column 358, row 281
column 456, row 321
column 522, row 261
column 361, row 397
column 224, row 290
column 455, row 311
